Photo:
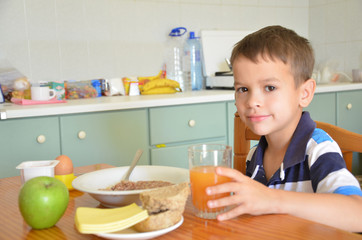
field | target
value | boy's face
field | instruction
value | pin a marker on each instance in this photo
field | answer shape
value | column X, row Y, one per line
column 266, row 97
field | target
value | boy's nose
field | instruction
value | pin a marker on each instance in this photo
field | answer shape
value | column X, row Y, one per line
column 253, row 100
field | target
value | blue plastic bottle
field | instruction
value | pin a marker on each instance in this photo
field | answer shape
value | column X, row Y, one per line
column 193, row 59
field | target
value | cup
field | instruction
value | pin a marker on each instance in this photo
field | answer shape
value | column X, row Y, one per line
column 42, row 93
column 203, row 159
column 32, row 169
column 357, row 75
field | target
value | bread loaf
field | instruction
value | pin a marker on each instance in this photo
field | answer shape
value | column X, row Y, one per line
column 165, row 207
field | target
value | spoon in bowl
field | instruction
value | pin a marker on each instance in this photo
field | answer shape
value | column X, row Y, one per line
column 133, row 164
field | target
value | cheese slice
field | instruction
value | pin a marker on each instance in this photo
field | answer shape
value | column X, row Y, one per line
column 98, row 220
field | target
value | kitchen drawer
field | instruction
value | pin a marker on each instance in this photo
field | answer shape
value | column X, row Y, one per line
column 27, row 139
column 187, row 122
column 174, row 156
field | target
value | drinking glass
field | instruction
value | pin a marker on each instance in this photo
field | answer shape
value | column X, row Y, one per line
column 203, row 159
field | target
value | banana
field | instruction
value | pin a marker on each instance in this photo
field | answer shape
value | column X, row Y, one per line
column 159, row 83
column 144, row 80
column 160, row 90
column 159, row 75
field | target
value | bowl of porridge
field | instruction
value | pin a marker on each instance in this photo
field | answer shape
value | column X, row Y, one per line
column 107, row 187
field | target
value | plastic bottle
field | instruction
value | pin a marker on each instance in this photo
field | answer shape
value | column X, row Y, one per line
column 193, row 61
column 174, row 57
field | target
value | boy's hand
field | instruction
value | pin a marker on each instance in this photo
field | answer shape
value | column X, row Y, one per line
column 250, row 196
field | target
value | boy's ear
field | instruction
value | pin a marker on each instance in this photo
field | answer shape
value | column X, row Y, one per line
column 307, row 92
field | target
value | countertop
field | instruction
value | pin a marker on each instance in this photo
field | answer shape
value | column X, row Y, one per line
column 10, row 110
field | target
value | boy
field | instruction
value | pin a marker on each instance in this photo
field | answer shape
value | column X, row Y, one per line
column 272, row 78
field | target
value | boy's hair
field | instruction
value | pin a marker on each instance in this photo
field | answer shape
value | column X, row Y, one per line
column 281, row 43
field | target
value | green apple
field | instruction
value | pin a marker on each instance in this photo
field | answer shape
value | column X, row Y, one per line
column 43, row 201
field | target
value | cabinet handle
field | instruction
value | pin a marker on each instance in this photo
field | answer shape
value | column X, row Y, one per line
column 192, row 123
column 82, row 135
column 349, row 106
column 41, row 139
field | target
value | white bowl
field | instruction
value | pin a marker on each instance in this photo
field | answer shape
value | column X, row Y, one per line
column 92, row 182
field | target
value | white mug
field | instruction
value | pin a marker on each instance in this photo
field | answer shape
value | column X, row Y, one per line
column 42, row 93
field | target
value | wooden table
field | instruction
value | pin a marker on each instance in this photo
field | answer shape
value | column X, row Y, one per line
column 12, row 225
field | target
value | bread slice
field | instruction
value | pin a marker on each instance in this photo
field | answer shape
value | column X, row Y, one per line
column 165, row 207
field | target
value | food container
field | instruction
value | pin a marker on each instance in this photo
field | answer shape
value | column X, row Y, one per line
column 32, row 169
column 79, row 89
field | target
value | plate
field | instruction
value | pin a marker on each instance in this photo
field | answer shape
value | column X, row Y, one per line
column 130, row 233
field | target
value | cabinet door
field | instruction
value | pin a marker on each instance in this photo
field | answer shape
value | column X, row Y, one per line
column 349, row 110
column 27, row 139
column 107, row 137
column 187, row 123
column 174, row 156
column 230, row 118
column 323, row 108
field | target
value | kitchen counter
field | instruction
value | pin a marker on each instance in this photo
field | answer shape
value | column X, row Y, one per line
column 9, row 110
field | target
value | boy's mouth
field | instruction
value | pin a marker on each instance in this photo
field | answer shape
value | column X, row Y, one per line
column 257, row 118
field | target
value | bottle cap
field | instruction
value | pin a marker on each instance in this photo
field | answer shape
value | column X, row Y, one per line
column 192, row 35
column 178, row 32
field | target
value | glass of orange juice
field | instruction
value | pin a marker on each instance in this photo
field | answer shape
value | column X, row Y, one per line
column 203, row 159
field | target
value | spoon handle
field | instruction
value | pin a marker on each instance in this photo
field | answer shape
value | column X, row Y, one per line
column 133, row 164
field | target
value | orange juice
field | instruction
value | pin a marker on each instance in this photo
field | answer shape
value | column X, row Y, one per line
column 202, row 177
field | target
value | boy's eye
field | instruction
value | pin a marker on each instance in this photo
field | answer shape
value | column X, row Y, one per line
column 269, row 88
column 242, row 89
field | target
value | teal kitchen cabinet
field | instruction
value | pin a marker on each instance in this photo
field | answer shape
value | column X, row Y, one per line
column 27, row 139
column 323, row 107
column 105, row 137
column 349, row 110
column 173, row 129
column 231, row 110
column 349, row 115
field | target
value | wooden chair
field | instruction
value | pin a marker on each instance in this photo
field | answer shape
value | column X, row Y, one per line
column 349, row 142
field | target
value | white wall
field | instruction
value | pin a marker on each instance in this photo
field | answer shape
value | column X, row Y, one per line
column 335, row 30
column 84, row 39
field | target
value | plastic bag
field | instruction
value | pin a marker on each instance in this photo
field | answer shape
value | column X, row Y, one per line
column 13, row 83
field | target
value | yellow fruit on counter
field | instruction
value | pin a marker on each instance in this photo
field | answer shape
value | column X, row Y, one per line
column 159, row 75
column 144, row 80
column 159, row 83
column 160, row 90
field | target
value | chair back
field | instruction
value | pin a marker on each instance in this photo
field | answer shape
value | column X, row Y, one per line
column 348, row 141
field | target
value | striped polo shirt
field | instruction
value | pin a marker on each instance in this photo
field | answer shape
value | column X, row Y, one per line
column 313, row 162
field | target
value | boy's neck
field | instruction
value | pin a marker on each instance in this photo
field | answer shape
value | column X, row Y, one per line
column 273, row 158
